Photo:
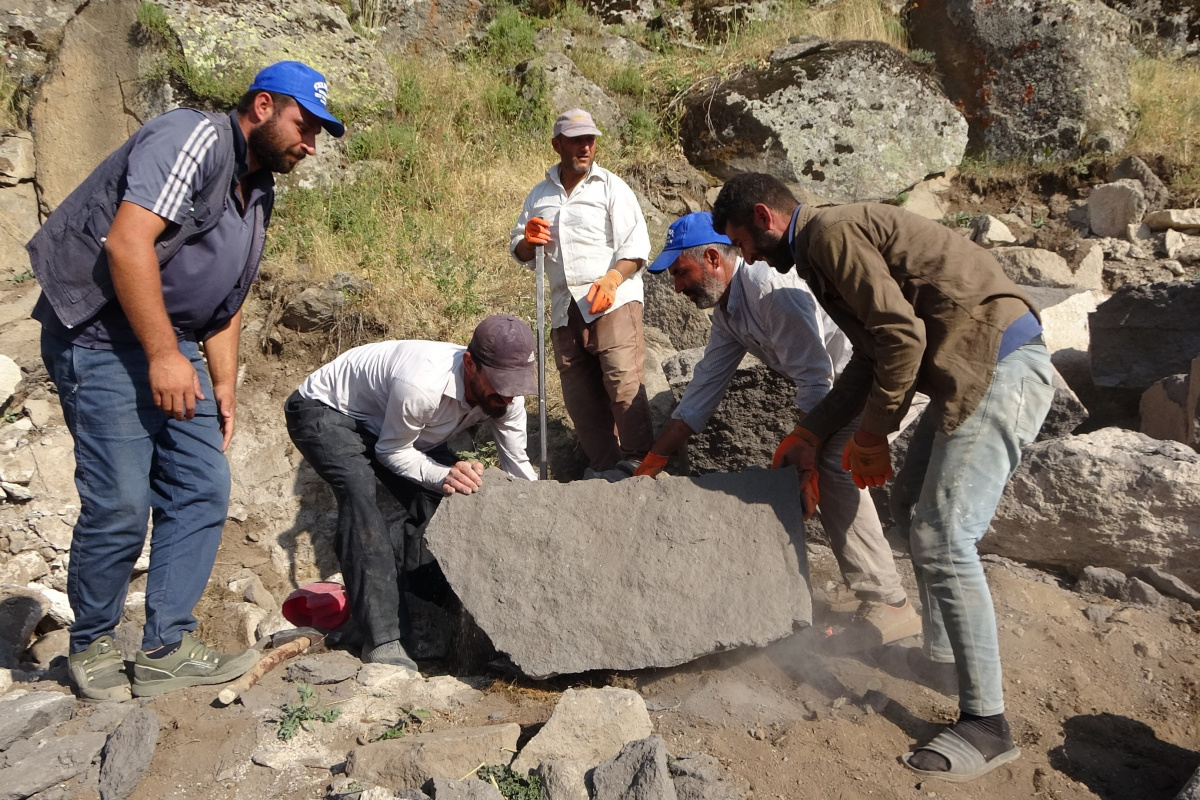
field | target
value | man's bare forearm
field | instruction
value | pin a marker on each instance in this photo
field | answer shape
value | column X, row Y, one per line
column 221, row 352
column 136, row 277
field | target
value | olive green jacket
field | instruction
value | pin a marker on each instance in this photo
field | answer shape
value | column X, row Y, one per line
column 925, row 308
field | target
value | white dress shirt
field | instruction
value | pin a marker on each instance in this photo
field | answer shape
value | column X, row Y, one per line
column 411, row 395
column 775, row 317
column 597, row 225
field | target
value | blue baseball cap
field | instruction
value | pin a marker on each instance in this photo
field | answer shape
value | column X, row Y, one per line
column 690, row 230
column 305, row 85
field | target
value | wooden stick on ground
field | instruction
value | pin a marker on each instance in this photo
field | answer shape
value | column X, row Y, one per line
column 265, row 664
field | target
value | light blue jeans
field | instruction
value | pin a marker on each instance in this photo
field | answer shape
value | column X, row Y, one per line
column 944, row 499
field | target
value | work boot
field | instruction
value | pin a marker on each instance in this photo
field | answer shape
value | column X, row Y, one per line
column 193, row 664
column 98, row 673
column 389, row 653
column 891, row 623
column 838, row 600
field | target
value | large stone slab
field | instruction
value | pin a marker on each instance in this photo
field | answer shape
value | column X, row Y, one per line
column 43, row 761
column 410, row 762
column 1186, row 220
column 1113, row 498
column 588, row 726
column 1144, row 333
column 566, row 578
column 1031, row 266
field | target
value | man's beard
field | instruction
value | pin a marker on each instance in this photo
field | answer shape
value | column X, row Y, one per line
column 493, row 410
column 267, row 144
column 773, row 248
column 707, row 293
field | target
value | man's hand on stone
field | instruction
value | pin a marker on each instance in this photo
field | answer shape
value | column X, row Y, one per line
column 465, row 477
column 175, row 384
column 800, row 449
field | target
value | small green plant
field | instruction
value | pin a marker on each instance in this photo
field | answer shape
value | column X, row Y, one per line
column 957, row 219
column 922, row 57
column 509, row 38
column 21, row 277
column 408, row 721
column 512, row 785
column 296, row 714
column 1038, row 221
column 901, row 199
column 485, row 453
column 641, row 128
column 153, row 21
column 628, row 81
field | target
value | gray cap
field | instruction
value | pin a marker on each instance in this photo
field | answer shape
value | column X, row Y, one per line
column 504, row 347
column 575, row 122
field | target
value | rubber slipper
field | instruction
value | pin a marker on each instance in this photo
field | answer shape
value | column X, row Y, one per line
column 966, row 762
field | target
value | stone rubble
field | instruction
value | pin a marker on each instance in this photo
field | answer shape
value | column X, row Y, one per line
column 588, row 726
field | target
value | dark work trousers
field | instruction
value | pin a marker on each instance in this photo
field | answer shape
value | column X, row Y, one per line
column 373, row 558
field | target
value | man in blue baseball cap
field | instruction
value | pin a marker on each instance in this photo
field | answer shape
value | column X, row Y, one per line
column 775, row 317
column 143, row 270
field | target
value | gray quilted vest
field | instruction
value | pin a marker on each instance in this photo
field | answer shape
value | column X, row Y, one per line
column 67, row 252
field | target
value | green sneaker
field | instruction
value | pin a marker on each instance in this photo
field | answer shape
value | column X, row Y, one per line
column 98, row 673
column 193, row 664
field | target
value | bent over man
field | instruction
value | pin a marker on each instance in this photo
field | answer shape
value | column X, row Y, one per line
column 924, row 309
column 143, row 270
column 774, row 316
column 386, row 411
column 596, row 244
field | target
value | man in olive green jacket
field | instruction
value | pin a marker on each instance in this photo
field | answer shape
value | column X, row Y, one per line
column 927, row 311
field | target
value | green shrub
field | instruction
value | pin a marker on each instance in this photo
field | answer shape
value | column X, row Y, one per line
column 628, row 81
column 509, row 38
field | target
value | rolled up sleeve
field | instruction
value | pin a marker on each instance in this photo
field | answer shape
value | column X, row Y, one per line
column 512, row 441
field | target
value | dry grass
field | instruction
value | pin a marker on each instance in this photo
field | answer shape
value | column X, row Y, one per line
column 10, row 105
column 1165, row 92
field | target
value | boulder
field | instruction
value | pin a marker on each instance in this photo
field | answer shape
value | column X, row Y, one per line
column 44, row 761
column 1171, row 586
column 1171, row 407
column 676, row 316
column 563, row 780
column 127, row 754
column 562, row 592
column 410, row 762
column 1144, row 333
column 1113, row 207
column 758, row 410
column 88, row 105
column 638, row 772
column 1191, row 790
column 1103, row 581
column 20, row 612
column 564, row 87
column 1112, row 498
column 1167, row 28
column 699, row 777
column 315, row 308
column 848, row 121
column 1067, row 412
column 1031, row 266
column 662, row 400
column 230, row 40
column 622, row 12
column 1185, row 220
column 1155, row 191
column 622, row 50
column 673, row 187
column 715, row 21
column 19, row 210
column 588, row 726
column 986, row 231
column 422, row 26
column 23, row 714
column 925, row 199
column 16, row 157
column 1044, row 85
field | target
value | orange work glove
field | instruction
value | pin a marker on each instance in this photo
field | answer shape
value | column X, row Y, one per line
column 604, row 292
column 868, row 464
column 651, row 465
column 537, row 231
column 799, row 448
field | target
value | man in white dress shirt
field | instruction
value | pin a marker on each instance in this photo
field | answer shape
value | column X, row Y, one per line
column 596, row 244
column 387, row 410
column 775, row 316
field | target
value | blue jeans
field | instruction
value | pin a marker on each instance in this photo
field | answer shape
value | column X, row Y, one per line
column 944, row 499
column 131, row 459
